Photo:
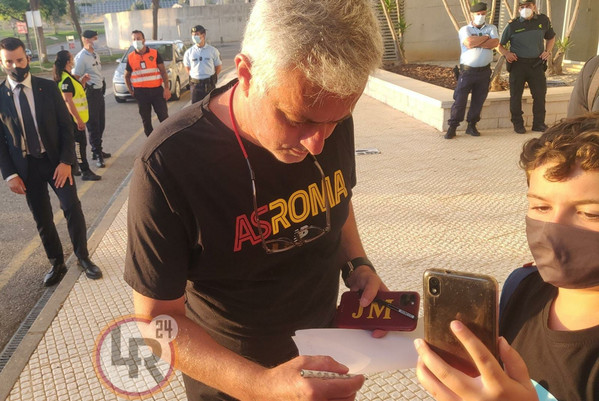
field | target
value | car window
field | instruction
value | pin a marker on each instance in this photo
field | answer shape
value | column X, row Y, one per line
column 126, row 55
column 165, row 50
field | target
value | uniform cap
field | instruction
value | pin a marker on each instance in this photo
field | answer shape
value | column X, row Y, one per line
column 89, row 34
column 198, row 28
column 480, row 6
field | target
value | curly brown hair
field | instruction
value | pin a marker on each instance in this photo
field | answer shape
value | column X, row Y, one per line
column 571, row 143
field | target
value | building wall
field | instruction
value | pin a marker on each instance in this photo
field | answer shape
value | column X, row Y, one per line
column 223, row 23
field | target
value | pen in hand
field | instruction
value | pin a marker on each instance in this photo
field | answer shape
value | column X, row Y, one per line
column 320, row 374
column 394, row 308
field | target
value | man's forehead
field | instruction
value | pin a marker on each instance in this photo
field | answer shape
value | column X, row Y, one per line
column 12, row 54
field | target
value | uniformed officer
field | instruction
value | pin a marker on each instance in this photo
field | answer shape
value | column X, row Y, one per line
column 145, row 75
column 87, row 61
column 477, row 40
column 531, row 39
column 203, row 64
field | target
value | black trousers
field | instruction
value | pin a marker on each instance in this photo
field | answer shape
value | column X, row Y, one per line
column 40, row 172
column 470, row 81
column 80, row 148
column 148, row 98
column 201, row 89
column 97, row 118
column 520, row 73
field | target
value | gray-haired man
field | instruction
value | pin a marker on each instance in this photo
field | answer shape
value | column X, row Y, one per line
column 240, row 215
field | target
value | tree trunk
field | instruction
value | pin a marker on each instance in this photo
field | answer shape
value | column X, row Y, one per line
column 451, row 17
column 155, row 7
column 508, row 8
column 555, row 64
column 393, row 33
column 41, row 45
column 75, row 19
column 495, row 85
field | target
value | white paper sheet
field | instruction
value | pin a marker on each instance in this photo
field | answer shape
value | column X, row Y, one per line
column 361, row 353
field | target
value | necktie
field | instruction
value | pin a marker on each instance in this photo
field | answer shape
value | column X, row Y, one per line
column 33, row 141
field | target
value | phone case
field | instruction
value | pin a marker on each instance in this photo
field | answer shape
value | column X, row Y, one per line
column 468, row 297
column 402, row 315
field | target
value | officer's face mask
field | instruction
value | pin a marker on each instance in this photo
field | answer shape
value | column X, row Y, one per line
column 138, row 45
column 525, row 13
column 479, row 19
column 197, row 39
column 566, row 256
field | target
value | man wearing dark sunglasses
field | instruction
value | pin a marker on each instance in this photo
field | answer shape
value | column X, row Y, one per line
column 240, row 214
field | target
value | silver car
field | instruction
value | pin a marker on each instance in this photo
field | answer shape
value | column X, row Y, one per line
column 172, row 52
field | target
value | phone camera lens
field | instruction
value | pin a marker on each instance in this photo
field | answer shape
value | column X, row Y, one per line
column 434, row 286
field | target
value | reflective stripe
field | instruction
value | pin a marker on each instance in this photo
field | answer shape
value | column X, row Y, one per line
column 149, row 77
column 79, row 98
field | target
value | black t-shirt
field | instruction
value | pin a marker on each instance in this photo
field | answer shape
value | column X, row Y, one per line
column 158, row 59
column 526, row 36
column 566, row 363
column 67, row 86
column 191, row 231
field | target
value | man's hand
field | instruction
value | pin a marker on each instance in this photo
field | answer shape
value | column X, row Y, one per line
column 511, row 57
column 545, row 55
column 365, row 280
column 446, row 383
column 17, row 185
column 166, row 94
column 84, row 79
column 80, row 125
column 284, row 382
column 62, row 174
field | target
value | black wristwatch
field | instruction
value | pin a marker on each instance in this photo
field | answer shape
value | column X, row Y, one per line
column 348, row 268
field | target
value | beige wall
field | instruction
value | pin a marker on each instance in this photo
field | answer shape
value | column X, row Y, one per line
column 431, row 35
column 223, row 23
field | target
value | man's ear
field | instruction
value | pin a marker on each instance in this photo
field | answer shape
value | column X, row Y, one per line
column 244, row 72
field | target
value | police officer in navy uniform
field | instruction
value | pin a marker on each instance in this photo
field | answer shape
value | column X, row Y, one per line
column 203, row 64
column 531, row 39
column 478, row 40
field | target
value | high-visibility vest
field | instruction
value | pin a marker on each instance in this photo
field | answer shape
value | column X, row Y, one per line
column 148, row 77
column 79, row 97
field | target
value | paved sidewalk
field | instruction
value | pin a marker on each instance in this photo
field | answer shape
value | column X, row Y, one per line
column 422, row 202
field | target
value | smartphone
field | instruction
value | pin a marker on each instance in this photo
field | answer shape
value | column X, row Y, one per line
column 468, row 297
column 391, row 310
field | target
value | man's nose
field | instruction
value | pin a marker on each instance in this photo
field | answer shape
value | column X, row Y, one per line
column 313, row 140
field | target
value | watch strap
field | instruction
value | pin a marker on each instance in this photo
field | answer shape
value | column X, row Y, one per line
column 350, row 266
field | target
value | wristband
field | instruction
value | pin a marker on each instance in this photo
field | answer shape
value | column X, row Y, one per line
column 349, row 267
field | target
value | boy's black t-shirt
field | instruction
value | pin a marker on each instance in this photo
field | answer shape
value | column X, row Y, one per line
column 566, row 363
column 192, row 231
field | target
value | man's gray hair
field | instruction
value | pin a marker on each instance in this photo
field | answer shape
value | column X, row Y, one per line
column 335, row 44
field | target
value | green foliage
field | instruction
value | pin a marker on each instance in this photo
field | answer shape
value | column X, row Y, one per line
column 138, row 5
column 10, row 9
column 52, row 10
column 563, row 45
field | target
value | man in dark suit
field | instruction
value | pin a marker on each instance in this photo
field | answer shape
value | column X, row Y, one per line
column 36, row 149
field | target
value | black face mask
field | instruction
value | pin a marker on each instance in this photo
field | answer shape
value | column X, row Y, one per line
column 18, row 73
column 566, row 256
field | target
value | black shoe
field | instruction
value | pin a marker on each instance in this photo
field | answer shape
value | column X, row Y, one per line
column 55, row 274
column 104, row 155
column 539, row 127
column 519, row 129
column 75, row 171
column 99, row 160
column 90, row 176
column 91, row 270
column 471, row 130
column 450, row 132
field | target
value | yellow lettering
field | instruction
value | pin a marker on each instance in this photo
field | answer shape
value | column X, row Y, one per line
column 303, row 197
column 378, row 310
column 340, row 188
column 279, row 218
column 358, row 314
